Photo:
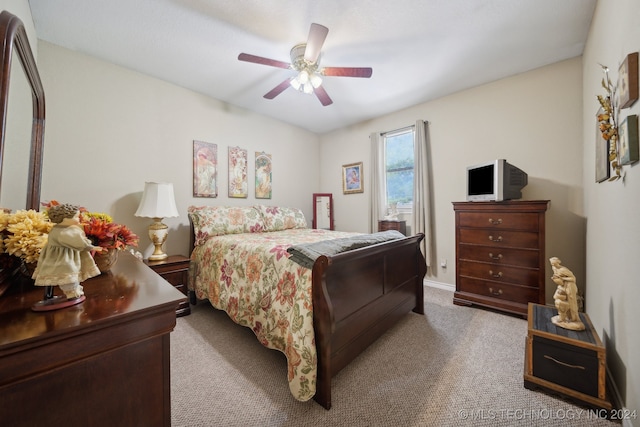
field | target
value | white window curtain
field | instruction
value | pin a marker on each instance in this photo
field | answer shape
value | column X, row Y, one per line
column 421, row 218
column 377, row 183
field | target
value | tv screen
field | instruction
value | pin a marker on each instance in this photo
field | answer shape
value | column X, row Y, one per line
column 481, row 180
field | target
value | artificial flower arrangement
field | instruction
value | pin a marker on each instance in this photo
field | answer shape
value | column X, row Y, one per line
column 102, row 231
column 24, row 233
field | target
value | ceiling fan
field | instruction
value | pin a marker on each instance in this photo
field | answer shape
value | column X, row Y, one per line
column 305, row 60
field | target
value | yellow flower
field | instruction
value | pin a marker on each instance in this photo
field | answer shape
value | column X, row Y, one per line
column 24, row 234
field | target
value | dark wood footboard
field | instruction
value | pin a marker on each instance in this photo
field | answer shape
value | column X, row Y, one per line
column 357, row 296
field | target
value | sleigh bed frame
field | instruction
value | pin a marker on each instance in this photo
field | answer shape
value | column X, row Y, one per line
column 357, row 296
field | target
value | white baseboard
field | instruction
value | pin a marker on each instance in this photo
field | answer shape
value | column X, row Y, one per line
column 440, row 285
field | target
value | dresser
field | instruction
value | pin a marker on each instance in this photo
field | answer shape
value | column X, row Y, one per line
column 500, row 254
column 103, row 362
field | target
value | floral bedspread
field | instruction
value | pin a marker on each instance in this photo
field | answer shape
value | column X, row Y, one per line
column 250, row 277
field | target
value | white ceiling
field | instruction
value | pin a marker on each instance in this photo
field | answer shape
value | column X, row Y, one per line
column 419, row 49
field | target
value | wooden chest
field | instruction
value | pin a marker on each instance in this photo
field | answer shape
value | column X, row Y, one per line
column 500, row 258
column 571, row 363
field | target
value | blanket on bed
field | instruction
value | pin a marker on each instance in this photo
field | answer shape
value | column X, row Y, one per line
column 307, row 253
column 250, row 276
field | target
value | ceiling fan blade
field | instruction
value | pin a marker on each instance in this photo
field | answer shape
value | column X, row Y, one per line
column 264, row 61
column 278, row 89
column 347, row 72
column 323, row 96
column 317, row 35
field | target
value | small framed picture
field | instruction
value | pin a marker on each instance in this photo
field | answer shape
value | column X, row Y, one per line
column 352, row 178
column 628, row 81
column 628, row 137
column 602, row 153
column 205, row 169
column 238, row 172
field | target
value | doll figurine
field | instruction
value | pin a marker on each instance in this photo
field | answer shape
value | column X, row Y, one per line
column 65, row 260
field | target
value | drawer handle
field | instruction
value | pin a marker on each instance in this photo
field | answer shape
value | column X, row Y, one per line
column 495, row 221
column 495, row 239
column 498, row 292
column 564, row 364
column 496, row 257
column 497, row 276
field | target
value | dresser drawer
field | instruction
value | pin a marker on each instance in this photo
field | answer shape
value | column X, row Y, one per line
column 500, row 220
column 501, row 256
column 499, row 238
column 566, row 365
column 514, row 293
column 499, row 273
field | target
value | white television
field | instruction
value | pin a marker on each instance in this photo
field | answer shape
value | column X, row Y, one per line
column 496, row 180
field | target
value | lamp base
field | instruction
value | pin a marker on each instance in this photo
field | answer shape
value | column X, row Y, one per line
column 158, row 234
column 158, row 257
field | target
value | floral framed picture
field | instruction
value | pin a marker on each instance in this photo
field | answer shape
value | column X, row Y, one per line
column 263, row 175
column 602, row 153
column 628, row 137
column 238, row 172
column 628, row 81
column 352, row 178
column 205, row 169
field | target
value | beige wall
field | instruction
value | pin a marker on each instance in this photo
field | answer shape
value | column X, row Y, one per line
column 532, row 119
column 613, row 227
column 110, row 129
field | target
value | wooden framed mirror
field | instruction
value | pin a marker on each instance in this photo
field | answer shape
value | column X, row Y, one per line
column 22, row 126
column 22, row 115
column 323, row 211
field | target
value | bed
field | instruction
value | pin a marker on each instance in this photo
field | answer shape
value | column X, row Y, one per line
column 321, row 317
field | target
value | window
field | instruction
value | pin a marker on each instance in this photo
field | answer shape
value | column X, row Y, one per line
column 398, row 148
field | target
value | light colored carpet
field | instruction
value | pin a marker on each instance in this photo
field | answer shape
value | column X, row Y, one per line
column 453, row 366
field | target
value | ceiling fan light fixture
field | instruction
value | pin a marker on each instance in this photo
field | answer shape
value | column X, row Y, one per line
column 307, row 88
column 295, row 83
column 315, row 80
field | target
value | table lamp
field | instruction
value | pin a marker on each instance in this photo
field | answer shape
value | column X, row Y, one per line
column 158, row 202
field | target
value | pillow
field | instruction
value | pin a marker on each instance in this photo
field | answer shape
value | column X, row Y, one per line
column 210, row 221
column 277, row 218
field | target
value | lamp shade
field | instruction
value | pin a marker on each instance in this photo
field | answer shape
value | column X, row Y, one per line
column 157, row 201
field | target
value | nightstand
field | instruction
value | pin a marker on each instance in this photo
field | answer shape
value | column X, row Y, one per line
column 384, row 225
column 175, row 270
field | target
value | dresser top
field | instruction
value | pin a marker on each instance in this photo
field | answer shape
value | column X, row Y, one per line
column 131, row 288
column 505, row 205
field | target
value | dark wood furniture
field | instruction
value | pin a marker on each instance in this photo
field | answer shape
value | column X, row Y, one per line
column 385, row 224
column 357, row 296
column 103, row 362
column 175, row 270
column 15, row 44
column 570, row 363
column 500, row 254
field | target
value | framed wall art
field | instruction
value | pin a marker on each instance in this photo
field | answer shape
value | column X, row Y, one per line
column 205, row 169
column 628, row 81
column 263, row 175
column 602, row 153
column 352, row 178
column 237, row 172
column 628, row 137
